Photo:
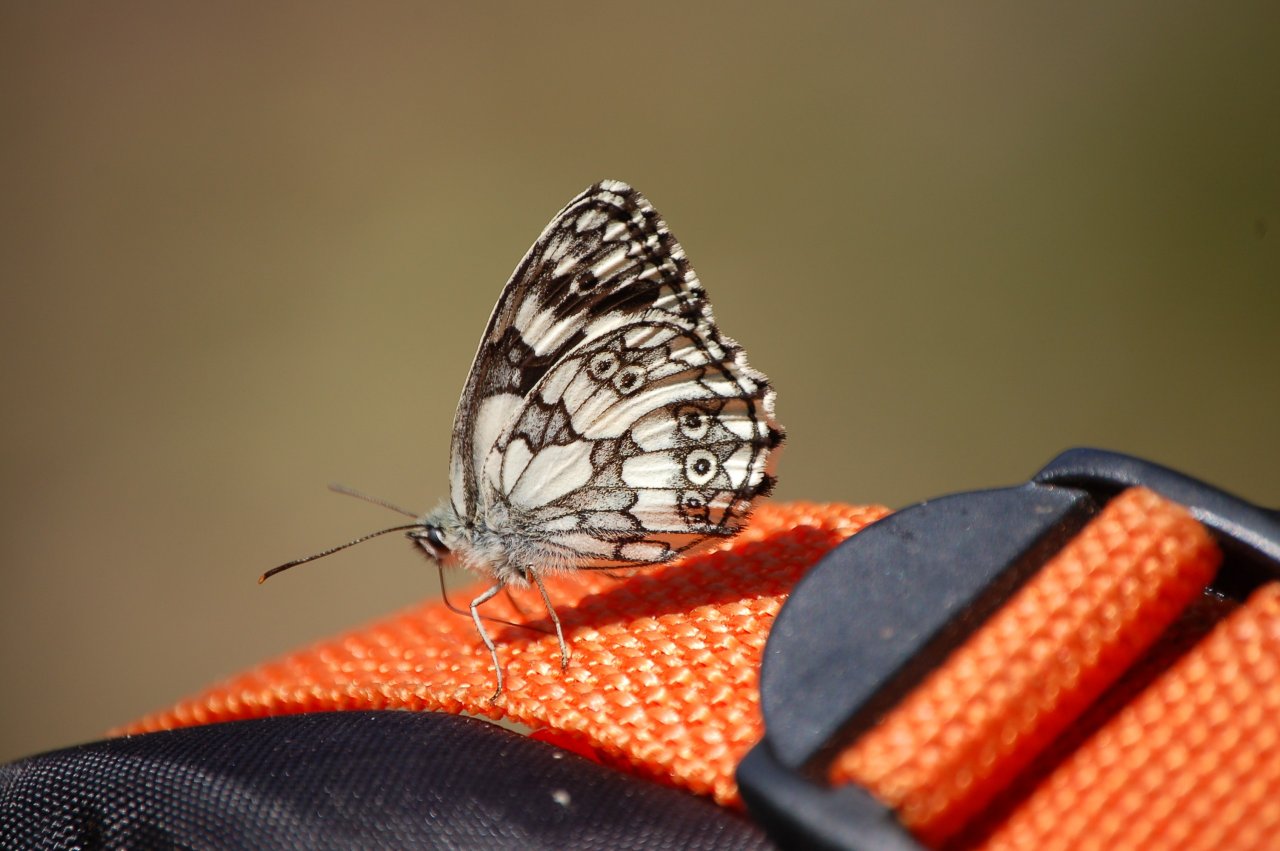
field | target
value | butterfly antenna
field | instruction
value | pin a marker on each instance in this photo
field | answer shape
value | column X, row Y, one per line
column 346, row 491
column 273, row 571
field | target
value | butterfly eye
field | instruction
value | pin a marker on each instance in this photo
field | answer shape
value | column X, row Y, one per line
column 693, row 423
column 628, row 379
column 700, row 466
column 436, row 541
column 431, row 541
column 603, row 365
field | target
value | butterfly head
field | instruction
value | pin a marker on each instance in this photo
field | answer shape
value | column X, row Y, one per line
column 432, row 540
column 442, row 536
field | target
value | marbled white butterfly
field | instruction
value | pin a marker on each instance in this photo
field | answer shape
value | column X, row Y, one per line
column 606, row 422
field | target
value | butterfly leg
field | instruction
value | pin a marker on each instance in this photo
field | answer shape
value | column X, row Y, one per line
column 484, row 636
column 555, row 619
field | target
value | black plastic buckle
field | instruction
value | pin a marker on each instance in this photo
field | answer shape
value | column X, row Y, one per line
column 879, row 612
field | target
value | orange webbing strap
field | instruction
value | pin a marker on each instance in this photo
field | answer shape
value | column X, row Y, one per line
column 1028, row 672
column 664, row 669
column 1192, row 763
column 664, row 673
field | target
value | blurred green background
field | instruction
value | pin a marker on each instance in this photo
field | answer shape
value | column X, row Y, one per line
column 248, row 249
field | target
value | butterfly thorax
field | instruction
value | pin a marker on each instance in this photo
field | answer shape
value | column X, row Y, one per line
column 493, row 547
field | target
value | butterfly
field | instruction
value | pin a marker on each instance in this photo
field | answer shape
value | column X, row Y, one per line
column 606, row 422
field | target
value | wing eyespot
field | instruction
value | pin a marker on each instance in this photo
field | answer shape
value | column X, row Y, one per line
column 700, row 467
column 629, row 379
column 694, row 423
column 603, row 365
column 695, row 507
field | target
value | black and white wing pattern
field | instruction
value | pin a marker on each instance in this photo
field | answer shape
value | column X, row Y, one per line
column 606, row 421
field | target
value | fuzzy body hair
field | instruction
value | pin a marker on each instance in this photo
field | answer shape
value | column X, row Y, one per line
column 496, row 547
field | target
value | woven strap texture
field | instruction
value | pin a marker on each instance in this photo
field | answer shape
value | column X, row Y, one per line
column 1108, row 704
column 1029, row 672
column 663, row 677
column 1192, row 763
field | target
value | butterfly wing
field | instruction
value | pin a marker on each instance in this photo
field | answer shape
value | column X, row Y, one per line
column 612, row 423
column 605, row 260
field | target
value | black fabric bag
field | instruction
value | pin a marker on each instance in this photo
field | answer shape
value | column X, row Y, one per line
column 348, row 780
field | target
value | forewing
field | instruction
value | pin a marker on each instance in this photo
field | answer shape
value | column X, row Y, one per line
column 605, row 261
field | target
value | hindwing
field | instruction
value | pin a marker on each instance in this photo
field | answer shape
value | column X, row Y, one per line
column 637, row 446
